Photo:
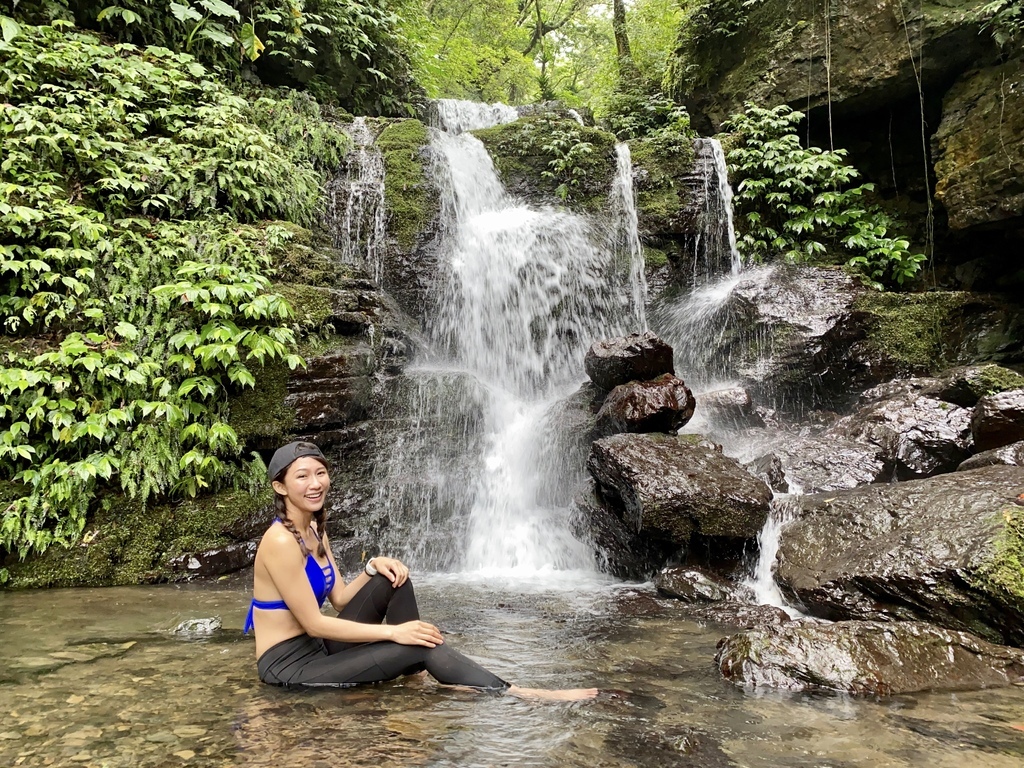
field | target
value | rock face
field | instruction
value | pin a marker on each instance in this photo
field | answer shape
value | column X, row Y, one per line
column 816, row 464
column 947, row 549
column 979, row 169
column 998, row 420
column 866, row 658
column 920, row 436
column 671, row 489
column 730, row 407
column 636, row 357
column 663, row 404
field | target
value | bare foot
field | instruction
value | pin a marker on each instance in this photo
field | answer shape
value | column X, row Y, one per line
column 564, row 694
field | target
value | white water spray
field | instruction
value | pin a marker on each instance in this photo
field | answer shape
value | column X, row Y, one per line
column 356, row 213
column 457, row 116
column 762, row 582
column 523, row 294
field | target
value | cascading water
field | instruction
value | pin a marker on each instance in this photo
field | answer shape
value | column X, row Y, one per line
column 457, row 116
column 762, row 581
column 523, row 294
column 355, row 210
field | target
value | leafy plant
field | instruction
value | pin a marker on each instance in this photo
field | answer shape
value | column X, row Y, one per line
column 798, row 204
column 567, row 167
column 1005, row 19
column 134, row 275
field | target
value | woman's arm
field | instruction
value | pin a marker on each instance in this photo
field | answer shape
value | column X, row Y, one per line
column 286, row 566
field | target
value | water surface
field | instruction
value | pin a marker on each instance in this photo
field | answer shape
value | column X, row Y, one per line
column 96, row 677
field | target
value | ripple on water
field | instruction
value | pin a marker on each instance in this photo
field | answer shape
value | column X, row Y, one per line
column 98, row 678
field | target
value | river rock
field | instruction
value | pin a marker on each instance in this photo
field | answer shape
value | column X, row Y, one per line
column 692, row 585
column 998, row 420
column 815, row 464
column 979, row 169
column 920, row 436
column 620, row 551
column 866, row 658
column 945, row 549
column 663, row 404
column 1012, row 454
column 636, row 357
column 672, row 488
column 965, row 386
column 214, row 562
column 730, row 408
column 736, row 615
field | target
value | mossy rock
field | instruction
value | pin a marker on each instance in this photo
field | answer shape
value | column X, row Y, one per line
column 259, row 415
column 126, row 543
column 411, row 202
column 522, row 153
column 913, row 330
column 663, row 195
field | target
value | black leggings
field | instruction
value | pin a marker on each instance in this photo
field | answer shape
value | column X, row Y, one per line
column 306, row 661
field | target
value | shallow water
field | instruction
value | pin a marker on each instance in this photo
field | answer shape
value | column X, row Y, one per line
column 97, row 678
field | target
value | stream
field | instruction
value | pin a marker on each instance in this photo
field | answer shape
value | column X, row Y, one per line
column 110, row 684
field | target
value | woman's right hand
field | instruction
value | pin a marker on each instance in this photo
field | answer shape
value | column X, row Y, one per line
column 417, row 633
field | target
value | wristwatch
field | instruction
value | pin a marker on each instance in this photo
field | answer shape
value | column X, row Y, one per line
column 370, row 570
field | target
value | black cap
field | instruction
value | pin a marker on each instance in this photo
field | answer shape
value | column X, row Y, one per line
column 286, row 454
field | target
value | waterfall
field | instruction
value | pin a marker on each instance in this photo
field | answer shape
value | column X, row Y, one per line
column 762, row 581
column 456, row 116
column 715, row 251
column 626, row 235
column 523, row 293
column 355, row 210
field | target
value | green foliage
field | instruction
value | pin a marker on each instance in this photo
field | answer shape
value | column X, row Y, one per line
column 635, row 115
column 133, row 295
column 797, row 203
column 568, row 164
column 1005, row 19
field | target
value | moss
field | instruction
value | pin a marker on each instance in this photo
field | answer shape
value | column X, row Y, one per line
column 1004, row 573
column 665, row 161
column 521, row 154
column 259, row 415
column 994, row 378
column 654, row 258
column 910, row 328
column 312, row 305
column 127, row 544
column 411, row 203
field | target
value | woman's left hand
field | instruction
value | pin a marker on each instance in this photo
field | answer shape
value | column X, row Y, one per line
column 395, row 570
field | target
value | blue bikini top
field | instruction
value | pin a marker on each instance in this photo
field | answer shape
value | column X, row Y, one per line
column 321, row 580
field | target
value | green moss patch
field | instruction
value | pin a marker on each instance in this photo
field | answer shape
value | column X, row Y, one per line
column 411, row 203
column 259, row 415
column 910, row 329
column 126, row 544
column 1004, row 574
column 665, row 160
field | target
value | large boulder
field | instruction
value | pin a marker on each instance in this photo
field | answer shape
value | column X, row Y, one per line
column 1012, row 454
column 815, row 464
column 671, row 488
column 636, row 357
column 979, row 158
column 998, row 420
column 866, row 658
column 663, row 404
column 946, row 549
column 921, row 436
column 692, row 585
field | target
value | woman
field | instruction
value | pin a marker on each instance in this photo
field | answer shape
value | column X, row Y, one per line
column 377, row 634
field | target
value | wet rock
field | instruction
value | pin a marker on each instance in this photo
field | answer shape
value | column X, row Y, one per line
column 730, row 408
column 967, row 385
column 945, row 549
column 866, row 658
column 998, row 420
column 636, row 357
column 214, row 562
column 1008, row 454
column 734, row 615
column 663, row 404
column 919, row 435
column 335, row 389
column 672, row 746
column 673, row 488
column 692, row 585
column 198, row 627
column 620, row 551
column 815, row 464
column 979, row 173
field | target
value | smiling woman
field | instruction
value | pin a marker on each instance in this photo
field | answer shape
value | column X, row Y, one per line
column 377, row 634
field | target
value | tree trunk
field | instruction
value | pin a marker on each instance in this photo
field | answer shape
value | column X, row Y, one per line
column 629, row 75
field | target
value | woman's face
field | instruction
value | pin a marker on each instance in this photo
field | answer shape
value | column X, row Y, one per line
column 305, row 485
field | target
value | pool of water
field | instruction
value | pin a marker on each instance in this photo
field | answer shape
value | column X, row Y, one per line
column 97, row 677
